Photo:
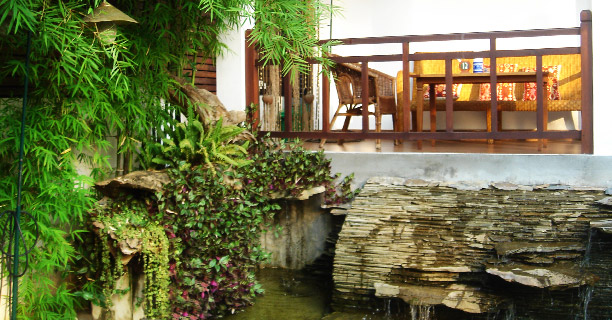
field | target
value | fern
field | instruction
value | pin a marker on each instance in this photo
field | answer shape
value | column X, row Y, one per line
column 190, row 145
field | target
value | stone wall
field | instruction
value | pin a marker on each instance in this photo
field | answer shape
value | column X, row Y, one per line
column 478, row 248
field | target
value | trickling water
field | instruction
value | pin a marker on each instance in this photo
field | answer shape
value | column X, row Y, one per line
column 586, row 293
column 510, row 313
column 386, row 307
column 587, row 252
column 421, row 312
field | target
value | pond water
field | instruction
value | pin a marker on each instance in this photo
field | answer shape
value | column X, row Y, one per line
column 295, row 295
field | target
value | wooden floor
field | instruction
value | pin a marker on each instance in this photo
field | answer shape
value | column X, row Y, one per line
column 444, row 146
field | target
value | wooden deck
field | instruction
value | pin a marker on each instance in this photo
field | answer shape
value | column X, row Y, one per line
column 464, row 142
column 566, row 146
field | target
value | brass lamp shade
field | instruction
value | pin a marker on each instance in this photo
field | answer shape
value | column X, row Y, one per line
column 106, row 12
column 106, row 18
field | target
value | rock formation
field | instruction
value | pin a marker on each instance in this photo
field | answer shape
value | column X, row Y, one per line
column 473, row 247
column 207, row 105
column 149, row 181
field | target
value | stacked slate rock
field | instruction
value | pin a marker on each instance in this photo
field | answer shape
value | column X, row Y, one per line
column 475, row 247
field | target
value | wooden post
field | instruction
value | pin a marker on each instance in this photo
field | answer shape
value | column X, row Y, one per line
column 540, row 94
column 493, row 71
column 251, row 79
column 404, row 110
column 492, row 115
column 287, row 93
column 325, row 97
column 365, row 97
column 542, row 110
column 586, row 55
column 448, row 72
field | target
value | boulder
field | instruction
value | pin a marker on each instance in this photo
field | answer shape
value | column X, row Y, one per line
column 604, row 225
column 148, row 181
column 516, row 247
column 562, row 275
column 607, row 201
column 462, row 297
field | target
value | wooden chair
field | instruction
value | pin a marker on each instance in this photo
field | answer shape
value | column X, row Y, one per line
column 385, row 103
column 349, row 101
column 382, row 95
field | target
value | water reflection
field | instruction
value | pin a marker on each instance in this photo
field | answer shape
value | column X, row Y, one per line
column 295, row 295
column 288, row 295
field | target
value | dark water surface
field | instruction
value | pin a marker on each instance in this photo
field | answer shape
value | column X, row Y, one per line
column 295, row 295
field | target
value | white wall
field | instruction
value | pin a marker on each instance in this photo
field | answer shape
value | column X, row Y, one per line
column 360, row 18
column 231, row 70
column 367, row 18
column 602, row 109
column 363, row 18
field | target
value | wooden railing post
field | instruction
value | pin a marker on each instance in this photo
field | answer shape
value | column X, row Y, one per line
column 586, row 55
column 365, row 97
column 541, row 105
column 325, row 94
column 448, row 72
column 540, row 96
column 493, row 70
column 251, row 78
column 288, row 95
column 405, row 107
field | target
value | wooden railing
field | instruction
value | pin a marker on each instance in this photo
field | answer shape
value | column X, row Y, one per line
column 585, row 134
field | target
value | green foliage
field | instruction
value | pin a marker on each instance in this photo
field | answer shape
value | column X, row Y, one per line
column 284, row 33
column 341, row 193
column 54, row 193
column 86, row 94
column 157, row 278
column 215, row 216
column 287, row 168
column 200, row 236
column 18, row 15
column 214, row 229
column 129, row 220
column 190, row 144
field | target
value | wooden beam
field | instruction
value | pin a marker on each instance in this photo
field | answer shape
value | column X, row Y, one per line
column 365, row 97
column 325, row 94
column 288, row 94
column 448, row 71
column 586, row 54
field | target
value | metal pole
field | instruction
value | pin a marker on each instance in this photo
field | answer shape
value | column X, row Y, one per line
column 17, row 216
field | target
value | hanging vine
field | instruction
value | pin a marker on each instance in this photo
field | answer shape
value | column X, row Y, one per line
column 126, row 229
column 157, row 278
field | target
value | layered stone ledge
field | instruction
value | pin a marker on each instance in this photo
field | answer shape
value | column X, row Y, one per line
column 444, row 243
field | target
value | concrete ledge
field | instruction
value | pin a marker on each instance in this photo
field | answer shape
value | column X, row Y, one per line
column 523, row 169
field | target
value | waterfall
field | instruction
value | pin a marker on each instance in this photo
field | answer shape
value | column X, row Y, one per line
column 586, row 260
column 510, row 313
column 421, row 312
column 586, row 293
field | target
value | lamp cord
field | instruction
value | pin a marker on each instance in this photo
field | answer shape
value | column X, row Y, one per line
column 12, row 229
column 7, row 231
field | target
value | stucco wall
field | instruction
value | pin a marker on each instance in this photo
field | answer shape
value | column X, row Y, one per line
column 526, row 169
